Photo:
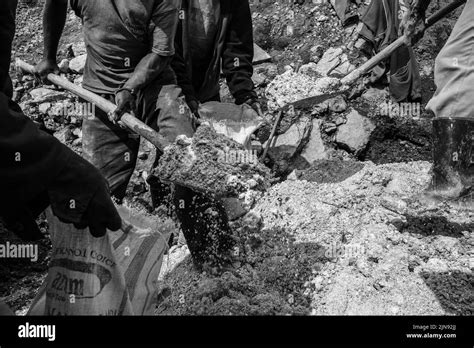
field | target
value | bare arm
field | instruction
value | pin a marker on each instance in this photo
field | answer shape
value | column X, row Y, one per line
column 414, row 25
column 54, row 18
column 165, row 21
column 149, row 68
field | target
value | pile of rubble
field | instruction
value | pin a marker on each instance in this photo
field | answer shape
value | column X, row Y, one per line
column 218, row 166
column 360, row 246
column 56, row 111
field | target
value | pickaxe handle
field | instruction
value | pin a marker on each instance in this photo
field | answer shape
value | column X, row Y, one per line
column 131, row 122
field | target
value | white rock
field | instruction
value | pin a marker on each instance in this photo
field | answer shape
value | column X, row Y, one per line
column 64, row 66
column 308, row 69
column 64, row 135
column 79, row 48
column 288, row 143
column 334, row 62
column 315, row 150
column 355, row 134
column 290, row 87
column 258, row 79
column 78, row 80
column 329, row 61
column 77, row 64
column 44, row 95
column 43, row 108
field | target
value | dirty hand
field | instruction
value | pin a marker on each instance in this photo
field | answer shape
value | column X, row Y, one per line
column 255, row 105
column 45, row 67
column 82, row 183
column 101, row 214
column 413, row 26
column 125, row 99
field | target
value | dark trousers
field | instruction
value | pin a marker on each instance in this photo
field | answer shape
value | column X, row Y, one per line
column 114, row 151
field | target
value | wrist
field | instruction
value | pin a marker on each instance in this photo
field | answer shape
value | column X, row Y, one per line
column 132, row 91
column 251, row 100
column 50, row 59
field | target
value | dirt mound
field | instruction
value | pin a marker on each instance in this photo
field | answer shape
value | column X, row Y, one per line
column 330, row 171
column 214, row 164
column 267, row 283
column 354, row 247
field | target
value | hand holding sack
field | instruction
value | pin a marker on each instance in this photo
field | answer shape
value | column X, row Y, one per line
column 112, row 275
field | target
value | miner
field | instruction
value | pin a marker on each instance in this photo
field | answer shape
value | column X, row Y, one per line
column 213, row 34
column 130, row 45
column 38, row 171
column 453, row 126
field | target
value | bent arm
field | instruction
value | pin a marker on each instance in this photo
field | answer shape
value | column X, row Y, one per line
column 54, row 19
column 238, row 53
column 149, row 68
column 164, row 22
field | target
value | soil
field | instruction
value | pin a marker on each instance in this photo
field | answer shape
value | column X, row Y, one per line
column 214, row 164
column 349, row 248
column 330, row 171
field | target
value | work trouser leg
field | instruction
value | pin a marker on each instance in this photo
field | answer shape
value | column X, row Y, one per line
column 111, row 149
column 203, row 220
column 453, row 126
column 165, row 110
column 205, row 227
column 5, row 310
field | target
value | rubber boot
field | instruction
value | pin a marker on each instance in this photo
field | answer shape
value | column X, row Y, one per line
column 453, row 169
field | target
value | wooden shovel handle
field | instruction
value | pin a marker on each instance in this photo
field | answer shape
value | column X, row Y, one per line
column 127, row 119
column 374, row 61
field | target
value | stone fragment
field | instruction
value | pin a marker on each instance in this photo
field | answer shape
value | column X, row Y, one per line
column 329, row 61
column 355, row 134
column 44, row 107
column 44, row 95
column 64, row 66
column 375, row 94
column 316, row 149
column 77, row 64
column 234, row 208
column 286, row 145
column 64, row 135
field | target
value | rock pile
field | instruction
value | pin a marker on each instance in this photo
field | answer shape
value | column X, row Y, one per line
column 348, row 248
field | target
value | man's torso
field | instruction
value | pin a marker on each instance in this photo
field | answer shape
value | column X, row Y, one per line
column 117, row 36
column 203, row 27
